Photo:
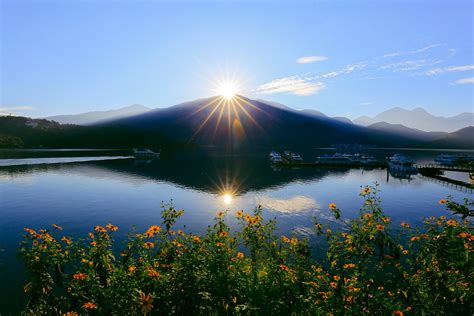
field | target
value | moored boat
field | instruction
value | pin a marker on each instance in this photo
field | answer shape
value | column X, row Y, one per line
column 445, row 159
column 401, row 163
column 275, row 157
column 292, row 157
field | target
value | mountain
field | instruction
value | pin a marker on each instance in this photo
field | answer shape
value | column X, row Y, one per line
column 420, row 119
column 402, row 130
column 99, row 116
column 237, row 125
column 250, row 124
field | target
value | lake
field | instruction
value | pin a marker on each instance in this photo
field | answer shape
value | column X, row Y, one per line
column 80, row 195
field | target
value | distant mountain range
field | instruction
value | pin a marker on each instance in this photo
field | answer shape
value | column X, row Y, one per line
column 241, row 125
column 95, row 117
column 420, row 119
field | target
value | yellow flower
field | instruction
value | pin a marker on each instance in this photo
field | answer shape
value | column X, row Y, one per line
column 380, row 227
column 405, row 225
column 285, row 239
column 196, row 238
column 240, row 255
column 146, row 301
column 336, row 278
column 223, row 234
column 70, row 313
column 30, row 231
column 220, row 214
column 148, row 245
column 332, row 206
column 89, row 305
column 397, row 313
column 294, row 241
column 79, row 276
column 365, row 190
column 367, row 216
column 66, row 240
column 349, row 266
column 442, row 201
column 131, row 269
column 333, row 284
column 239, row 213
column 386, row 220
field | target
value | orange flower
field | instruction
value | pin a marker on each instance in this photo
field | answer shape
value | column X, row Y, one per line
column 146, row 301
column 333, row 284
column 285, row 239
column 89, row 305
column 332, row 206
column 223, row 234
column 294, row 241
column 380, row 227
column 100, row 229
column 196, row 238
column 239, row 213
column 349, row 266
column 443, row 201
column 66, row 240
column 452, row 222
column 367, row 216
column 93, row 244
column 397, row 313
column 220, row 214
column 153, row 273
column 386, row 220
column 30, row 231
column 148, row 245
column 405, row 225
column 336, row 278
column 71, row 313
column 57, row 227
column 365, row 190
column 112, row 227
column 79, row 276
column 131, row 269
column 284, row 268
column 219, row 244
column 240, row 255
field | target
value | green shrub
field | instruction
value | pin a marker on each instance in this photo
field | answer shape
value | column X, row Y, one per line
column 370, row 268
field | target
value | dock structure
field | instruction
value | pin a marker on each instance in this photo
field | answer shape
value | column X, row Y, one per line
column 437, row 168
column 450, row 183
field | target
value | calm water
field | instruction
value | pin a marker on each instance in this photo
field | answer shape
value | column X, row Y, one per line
column 78, row 196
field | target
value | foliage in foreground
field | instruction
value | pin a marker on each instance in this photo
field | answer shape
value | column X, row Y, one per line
column 367, row 270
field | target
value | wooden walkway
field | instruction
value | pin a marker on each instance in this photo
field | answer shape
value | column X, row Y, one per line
column 439, row 167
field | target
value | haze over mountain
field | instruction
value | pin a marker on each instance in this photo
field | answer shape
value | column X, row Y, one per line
column 99, row 116
column 419, row 118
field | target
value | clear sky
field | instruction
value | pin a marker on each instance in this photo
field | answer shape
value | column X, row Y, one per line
column 346, row 58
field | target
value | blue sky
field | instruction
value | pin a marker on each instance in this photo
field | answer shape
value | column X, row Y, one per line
column 346, row 58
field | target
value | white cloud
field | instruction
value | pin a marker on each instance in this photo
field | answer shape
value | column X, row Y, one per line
column 344, row 71
column 13, row 110
column 392, row 54
column 425, row 48
column 294, row 85
column 437, row 71
column 310, row 59
column 465, row 81
column 409, row 65
column 366, row 103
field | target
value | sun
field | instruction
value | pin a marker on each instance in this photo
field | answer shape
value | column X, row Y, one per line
column 227, row 198
column 227, row 89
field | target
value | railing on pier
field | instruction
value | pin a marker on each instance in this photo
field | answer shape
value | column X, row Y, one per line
column 445, row 167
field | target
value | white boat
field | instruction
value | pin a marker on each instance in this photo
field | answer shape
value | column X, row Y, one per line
column 275, row 157
column 336, row 159
column 400, row 163
column 368, row 160
column 292, row 156
column 144, row 153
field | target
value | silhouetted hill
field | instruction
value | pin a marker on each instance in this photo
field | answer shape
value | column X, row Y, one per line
column 215, row 122
column 246, row 125
column 420, row 119
column 464, row 138
column 99, row 116
column 402, row 130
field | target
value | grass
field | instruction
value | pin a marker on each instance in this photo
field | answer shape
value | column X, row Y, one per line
column 371, row 267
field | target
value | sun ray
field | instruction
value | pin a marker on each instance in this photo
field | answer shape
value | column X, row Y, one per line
column 206, row 119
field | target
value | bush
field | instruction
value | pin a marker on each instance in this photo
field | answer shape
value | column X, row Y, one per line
column 370, row 268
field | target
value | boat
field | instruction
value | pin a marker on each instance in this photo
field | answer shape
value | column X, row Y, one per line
column 368, row 161
column 401, row 163
column 445, row 159
column 292, row 156
column 336, row 159
column 275, row 157
column 143, row 153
